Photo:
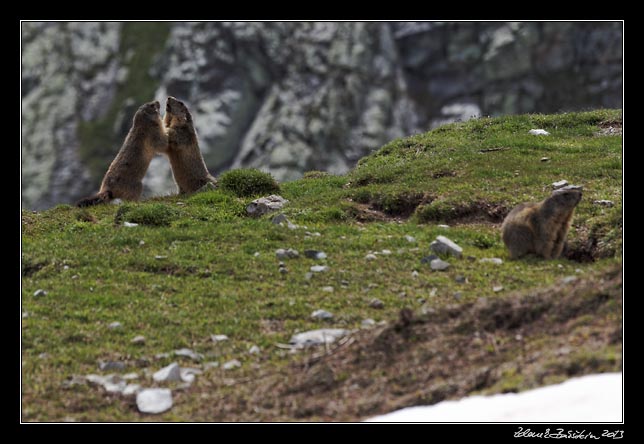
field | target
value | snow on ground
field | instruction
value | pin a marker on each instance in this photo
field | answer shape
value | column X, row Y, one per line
column 592, row 398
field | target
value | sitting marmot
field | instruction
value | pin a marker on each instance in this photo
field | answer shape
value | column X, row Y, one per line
column 124, row 177
column 541, row 228
column 188, row 167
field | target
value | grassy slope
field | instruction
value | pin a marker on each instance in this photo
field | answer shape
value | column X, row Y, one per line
column 211, row 282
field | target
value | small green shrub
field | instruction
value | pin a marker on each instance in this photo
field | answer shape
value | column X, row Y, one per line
column 248, row 182
column 155, row 214
column 483, row 241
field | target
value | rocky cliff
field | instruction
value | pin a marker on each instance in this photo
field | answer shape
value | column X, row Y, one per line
column 289, row 97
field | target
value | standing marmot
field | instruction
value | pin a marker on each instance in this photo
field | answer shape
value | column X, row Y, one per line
column 188, row 167
column 541, row 228
column 124, row 177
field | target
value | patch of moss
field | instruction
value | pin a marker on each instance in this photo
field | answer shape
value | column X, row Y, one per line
column 248, row 182
column 154, row 214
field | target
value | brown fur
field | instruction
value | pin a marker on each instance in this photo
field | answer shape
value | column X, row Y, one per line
column 188, row 167
column 540, row 228
column 123, row 179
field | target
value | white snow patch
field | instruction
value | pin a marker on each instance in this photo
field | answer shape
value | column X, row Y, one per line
column 592, row 398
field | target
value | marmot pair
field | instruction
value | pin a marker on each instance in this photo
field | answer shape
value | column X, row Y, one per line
column 175, row 136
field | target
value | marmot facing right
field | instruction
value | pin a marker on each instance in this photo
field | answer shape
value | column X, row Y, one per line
column 188, row 167
column 541, row 228
column 124, row 177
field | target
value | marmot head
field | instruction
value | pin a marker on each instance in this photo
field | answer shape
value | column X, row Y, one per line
column 567, row 197
column 176, row 112
column 148, row 112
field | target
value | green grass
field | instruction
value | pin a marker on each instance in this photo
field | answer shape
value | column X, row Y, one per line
column 190, row 268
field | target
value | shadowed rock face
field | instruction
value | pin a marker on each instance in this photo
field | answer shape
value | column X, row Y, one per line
column 289, row 97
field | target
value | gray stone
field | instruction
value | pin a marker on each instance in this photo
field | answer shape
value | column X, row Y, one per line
column 569, row 279
column 491, row 260
column 458, row 295
column 315, row 254
column 114, row 325
column 264, row 205
column 131, row 389
column 328, row 289
column 317, row 337
column 209, row 365
column 319, row 268
column 40, row 292
column 559, row 184
column 376, row 303
column 281, row 253
column 544, row 159
column 105, row 366
column 254, row 350
column 439, row 265
column 460, row 279
column 218, row 338
column 385, row 252
column 154, row 401
column 322, row 315
column 539, row 132
column 138, row 340
column 367, row 323
column 410, row 239
column 371, row 257
column 443, row 245
column 234, row 363
column 171, row 372
column 604, row 203
column 443, row 226
column 187, row 353
column 130, row 224
column 189, row 374
column 428, row 259
column 497, row 288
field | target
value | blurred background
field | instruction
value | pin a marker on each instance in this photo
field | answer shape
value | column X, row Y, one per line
column 289, row 97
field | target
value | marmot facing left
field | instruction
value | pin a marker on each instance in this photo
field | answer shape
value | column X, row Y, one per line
column 124, row 177
column 188, row 167
column 541, row 228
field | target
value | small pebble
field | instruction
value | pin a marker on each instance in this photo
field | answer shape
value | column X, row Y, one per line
column 328, row 289
column 460, row 279
column 604, row 203
column 458, row 295
column 376, row 303
column 491, row 260
column 497, row 288
column 428, row 259
column 160, row 257
column 414, row 274
column 443, row 226
column 40, row 292
column 366, row 323
column 569, row 279
column 154, row 400
column 319, row 268
column 130, row 224
column 545, row 159
column 25, row 315
column 539, row 132
column 410, row 239
column 234, row 363
column 256, row 254
column 386, row 252
column 370, row 257
column 138, row 340
column 114, row 325
column 433, row 292
column 141, row 242
column 439, row 265
column 344, row 283
column 254, row 350
column 321, row 315
column 218, row 338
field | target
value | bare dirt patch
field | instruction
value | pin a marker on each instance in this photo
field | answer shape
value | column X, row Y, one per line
column 610, row 128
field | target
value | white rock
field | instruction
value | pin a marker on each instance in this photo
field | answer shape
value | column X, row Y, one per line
column 254, row 350
column 414, row 274
column 218, row 338
column 317, row 337
column 386, row 252
column 604, row 203
column 560, row 184
column 154, row 400
column 141, row 242
column 321, row 314
column 160, row 257
column 114, row 325
column 444, row 245
column 265, row 205
column 539, row 132
column 25, row 315
column 234, row 363
column 171, row 372
column 130, row 224
column 328, row 289
column 319, row 268
column 281, row 253
column 491, row 260
column 370, row 257
column 410, row 239
column 439, row 265
column 256, row 254
column 138, row 340
column 187, row 353
column 367, row 323
column 189, row 374
column 443, row 226
column 131, row 389
column 209, row 365
column 130, row 376
column 497, row 288
column 40, row 292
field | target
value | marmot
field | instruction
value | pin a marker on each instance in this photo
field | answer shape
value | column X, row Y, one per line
column 124, row 177
column 188, row 167
column 541, row 228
